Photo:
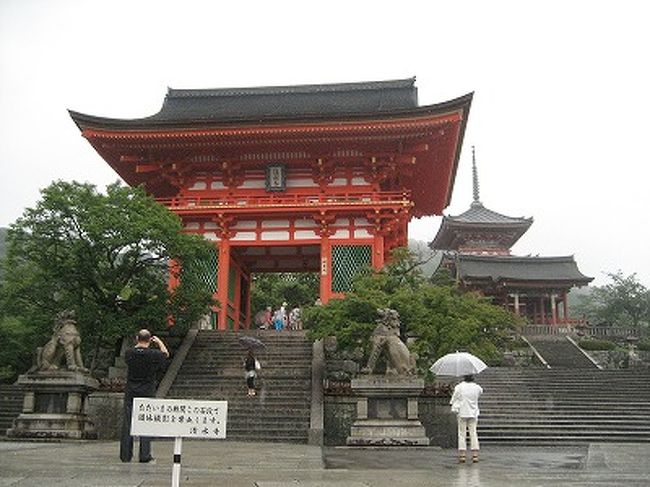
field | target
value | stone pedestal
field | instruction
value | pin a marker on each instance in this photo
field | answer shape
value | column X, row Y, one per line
column 55, row 406
column 387, row 412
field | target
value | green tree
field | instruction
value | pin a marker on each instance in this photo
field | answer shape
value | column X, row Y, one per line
column 272, row 289
column 622, row 302
column 104, row 255
column 443, row 319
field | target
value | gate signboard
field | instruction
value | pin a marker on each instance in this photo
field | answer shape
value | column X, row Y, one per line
column 179, row 418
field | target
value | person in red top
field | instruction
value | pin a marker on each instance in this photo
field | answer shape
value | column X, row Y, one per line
column 143, row 362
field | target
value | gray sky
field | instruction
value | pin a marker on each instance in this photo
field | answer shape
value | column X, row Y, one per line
column 559, row 118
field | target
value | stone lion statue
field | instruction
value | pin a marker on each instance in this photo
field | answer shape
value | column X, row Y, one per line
column 64, row 345
column 399, row 361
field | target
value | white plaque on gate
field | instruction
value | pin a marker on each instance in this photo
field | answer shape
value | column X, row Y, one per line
column 179, row 418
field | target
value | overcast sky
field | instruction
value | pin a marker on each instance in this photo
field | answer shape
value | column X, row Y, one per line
column 559, row 118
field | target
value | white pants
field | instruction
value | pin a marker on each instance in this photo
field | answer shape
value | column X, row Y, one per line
column 463, row 425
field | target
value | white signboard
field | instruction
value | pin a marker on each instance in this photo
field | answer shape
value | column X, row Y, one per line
column 179, row 418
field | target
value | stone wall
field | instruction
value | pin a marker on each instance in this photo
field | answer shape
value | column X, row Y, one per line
column 438, row 421
column 339, row 412
column 105, row 409
column 436, row 417
column 620, row 359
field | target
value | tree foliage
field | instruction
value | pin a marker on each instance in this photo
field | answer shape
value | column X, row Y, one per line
column 443, row 319
column 104, row 255
column 622, row 302
column 272, row 289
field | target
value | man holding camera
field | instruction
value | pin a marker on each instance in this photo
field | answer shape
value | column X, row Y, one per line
column 142, row 363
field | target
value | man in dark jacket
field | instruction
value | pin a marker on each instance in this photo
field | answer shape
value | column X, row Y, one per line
column 142, row 363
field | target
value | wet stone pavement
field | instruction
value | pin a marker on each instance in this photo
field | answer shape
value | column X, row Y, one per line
column 216, row 463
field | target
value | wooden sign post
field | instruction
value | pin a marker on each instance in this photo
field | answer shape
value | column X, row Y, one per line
column 178, row 419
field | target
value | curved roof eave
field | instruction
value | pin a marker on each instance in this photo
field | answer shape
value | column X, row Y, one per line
column 84, row 121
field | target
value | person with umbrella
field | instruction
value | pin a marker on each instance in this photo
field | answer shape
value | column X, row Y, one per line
column 251, row 366
column 464, row 400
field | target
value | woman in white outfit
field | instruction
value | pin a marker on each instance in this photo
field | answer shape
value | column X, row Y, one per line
column 464, row 402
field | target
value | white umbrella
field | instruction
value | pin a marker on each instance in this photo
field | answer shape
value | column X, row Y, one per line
column 458, row 364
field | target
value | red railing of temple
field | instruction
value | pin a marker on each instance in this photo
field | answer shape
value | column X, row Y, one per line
column 401, row 198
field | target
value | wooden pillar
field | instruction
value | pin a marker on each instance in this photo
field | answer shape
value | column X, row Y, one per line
column 172, row 283
column 174, row 275
column 553, row 310
column 325, row 269
column 236, row 301
column 542, row 312
column 516, row 296
column 222, row 284
column 378, row 252
column 565, row 307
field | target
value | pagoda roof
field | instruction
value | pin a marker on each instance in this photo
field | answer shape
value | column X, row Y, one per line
column 479, row 218
column 512, row 269
column 280, row 103
column 479, row 214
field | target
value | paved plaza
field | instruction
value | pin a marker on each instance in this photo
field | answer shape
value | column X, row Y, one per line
column 214, row 463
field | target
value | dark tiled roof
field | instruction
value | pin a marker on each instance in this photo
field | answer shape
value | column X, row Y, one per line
column 478, row 213
column 278, row 102
column 511, row 268
column 478, row 217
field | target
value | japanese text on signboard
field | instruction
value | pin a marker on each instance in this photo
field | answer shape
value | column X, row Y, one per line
column 179, row 418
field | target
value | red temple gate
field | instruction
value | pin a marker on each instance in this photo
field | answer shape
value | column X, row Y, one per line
column 321, row 178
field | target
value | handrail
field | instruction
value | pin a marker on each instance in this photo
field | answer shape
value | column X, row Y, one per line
column 294, row 199
column 584, row 352
column 537, row 354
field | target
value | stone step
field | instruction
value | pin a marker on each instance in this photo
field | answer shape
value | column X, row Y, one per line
column 11, row 405
column 564, row 440
column 612, row 434
column 560, row 416
column 231, row 397
column 547, row 420
column 556, row 402
column 564, row 406
column 281, row 410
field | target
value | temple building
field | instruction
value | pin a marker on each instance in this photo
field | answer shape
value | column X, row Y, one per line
column 315, row 178
column 477, row 250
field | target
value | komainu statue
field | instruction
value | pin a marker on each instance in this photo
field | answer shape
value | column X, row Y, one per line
column 399, row 361
column 64, row 345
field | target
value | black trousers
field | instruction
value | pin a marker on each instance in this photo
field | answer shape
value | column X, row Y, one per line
column 126, row 440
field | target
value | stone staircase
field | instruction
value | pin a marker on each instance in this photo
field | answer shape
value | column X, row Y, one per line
column 11, row 405
column 213, row 370
column 559, row 351
column 564, row 406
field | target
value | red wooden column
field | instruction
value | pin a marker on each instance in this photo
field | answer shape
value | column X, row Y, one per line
column 378, row 251
column 222, row 283
column 172, row 283
column 325, row 268
column 565, row 306
column 174, row 275
column 237, row 297
column 542, row 311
